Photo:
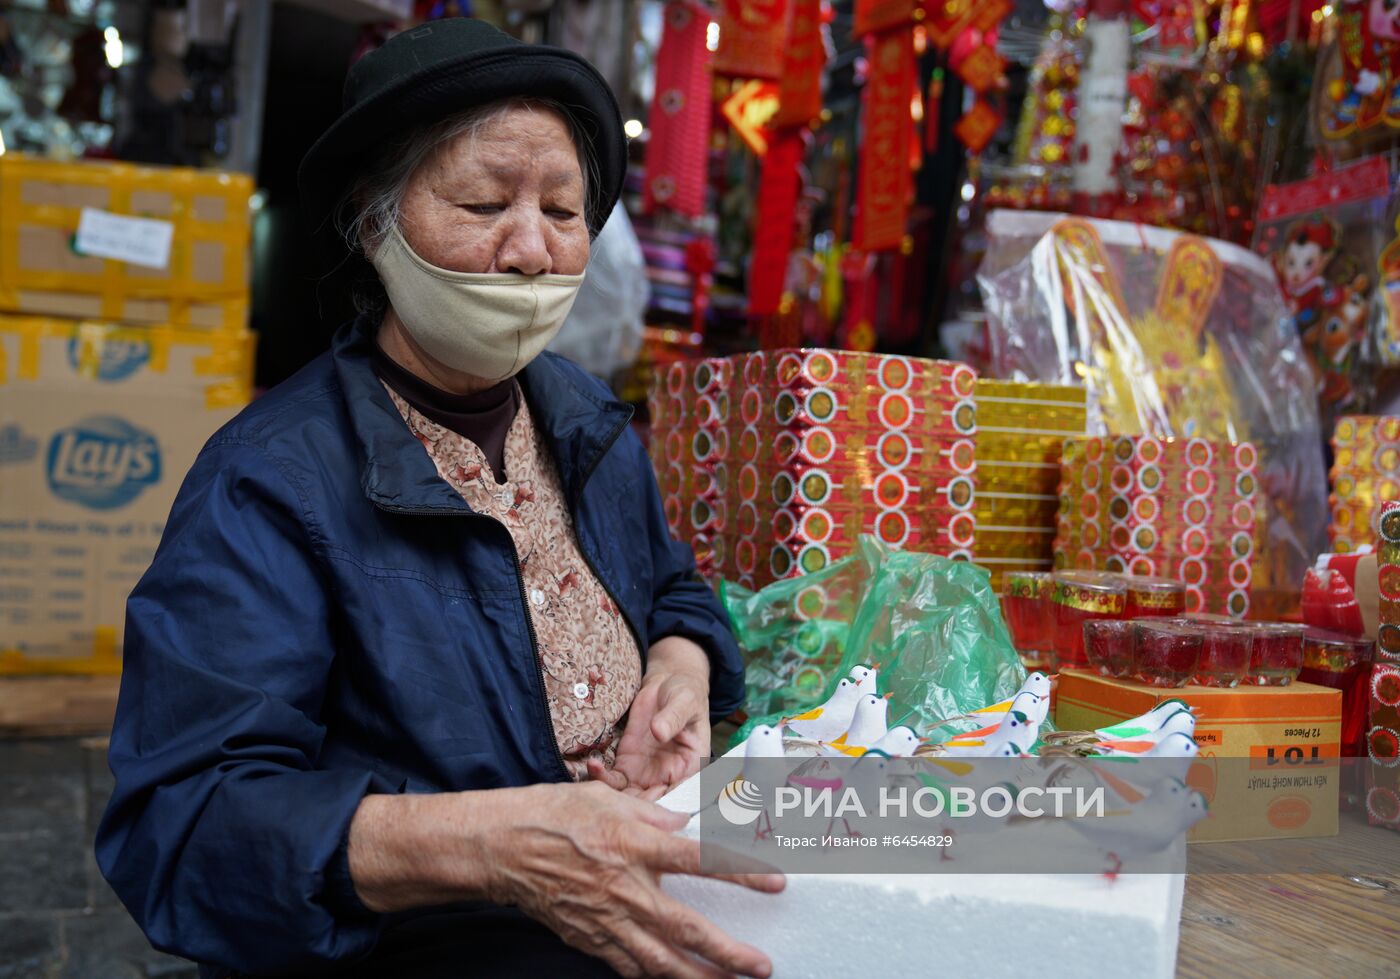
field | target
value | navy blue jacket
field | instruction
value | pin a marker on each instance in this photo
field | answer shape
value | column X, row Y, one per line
column 326, row 617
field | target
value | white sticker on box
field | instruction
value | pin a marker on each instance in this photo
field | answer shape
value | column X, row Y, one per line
column 140, row 241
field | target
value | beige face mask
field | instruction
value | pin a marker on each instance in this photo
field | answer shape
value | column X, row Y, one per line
column 486, row 325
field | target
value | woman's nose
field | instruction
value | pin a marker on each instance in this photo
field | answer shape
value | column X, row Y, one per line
column 525, row 249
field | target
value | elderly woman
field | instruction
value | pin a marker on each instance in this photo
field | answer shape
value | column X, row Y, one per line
column 417, row 649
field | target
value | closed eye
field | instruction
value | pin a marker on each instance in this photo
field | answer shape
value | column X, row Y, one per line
column 483, row 208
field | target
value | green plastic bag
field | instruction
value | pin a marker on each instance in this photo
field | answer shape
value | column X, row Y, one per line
column 932, row 624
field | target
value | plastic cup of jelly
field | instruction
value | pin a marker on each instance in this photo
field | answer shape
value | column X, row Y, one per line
column 1166, row 653
column 1226, row 646
column 1276, row 654
column 1343, row 663
column 1152, row 596
column 1025, row 603
column 1108, row 646
column 1079, row 597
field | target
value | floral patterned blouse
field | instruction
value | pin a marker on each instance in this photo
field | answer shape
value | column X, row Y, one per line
column 592, row 667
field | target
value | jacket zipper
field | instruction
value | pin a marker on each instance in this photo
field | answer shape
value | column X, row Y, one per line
column 636, row 634
column 525, row 606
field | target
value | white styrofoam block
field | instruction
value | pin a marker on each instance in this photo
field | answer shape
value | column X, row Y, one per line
column 988, row 925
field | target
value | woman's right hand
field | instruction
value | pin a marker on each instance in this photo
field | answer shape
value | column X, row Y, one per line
column 587, row 861
column 583, row 859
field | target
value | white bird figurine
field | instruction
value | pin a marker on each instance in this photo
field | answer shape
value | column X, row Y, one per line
column 867, row 726
column 750, row 787
column 831, row 719
column 1025, row 702
column 1014, row 732
column 1148, row 827
column 1015, row 727
column 898, row 742
column 1036, row 683
column 864, row 676
column 1180, row 723
column 1133, row 728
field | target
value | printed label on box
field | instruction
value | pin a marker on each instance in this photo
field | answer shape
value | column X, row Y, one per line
column 140, row 241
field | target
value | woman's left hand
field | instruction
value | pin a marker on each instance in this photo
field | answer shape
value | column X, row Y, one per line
column 667, row 737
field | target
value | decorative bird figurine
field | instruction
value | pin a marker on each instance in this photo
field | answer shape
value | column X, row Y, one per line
column 1148, row 827
column 1131, row 729
column 1181, row 723
column 1015, row 727
column 831, row 719
column 864, row 676
column 1036, row 683
column 867, row 727
column 1014, row 732
column 747, row 788
column 898, row 742
column 1025, row 702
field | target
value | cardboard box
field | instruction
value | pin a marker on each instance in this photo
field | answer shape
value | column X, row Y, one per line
column 98, row 425
column 1269, row 761
column 202, row 214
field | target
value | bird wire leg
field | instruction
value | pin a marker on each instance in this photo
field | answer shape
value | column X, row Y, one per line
column 759, row 833
column 944, row 852
column 1116, row 864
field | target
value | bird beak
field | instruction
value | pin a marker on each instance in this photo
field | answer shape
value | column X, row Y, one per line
column 888, row 696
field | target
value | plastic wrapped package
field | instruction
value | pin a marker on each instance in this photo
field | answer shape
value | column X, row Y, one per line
column 932, row 624
column 1173, row 335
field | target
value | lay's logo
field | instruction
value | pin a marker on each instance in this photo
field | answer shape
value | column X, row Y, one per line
column 102, row 462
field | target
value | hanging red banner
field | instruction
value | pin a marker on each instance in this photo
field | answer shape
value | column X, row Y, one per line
column 774, row 222
column 678, row 153
column 750, row 110
column 800, row 92
column 752, row 35
column 882, row 202
column 872, row 16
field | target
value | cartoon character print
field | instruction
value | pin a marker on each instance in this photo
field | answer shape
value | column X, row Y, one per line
column 1334, row 342
column 1369, row 39
column 1309, row 245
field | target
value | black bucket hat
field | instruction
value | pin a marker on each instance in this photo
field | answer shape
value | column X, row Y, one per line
column 448, row 66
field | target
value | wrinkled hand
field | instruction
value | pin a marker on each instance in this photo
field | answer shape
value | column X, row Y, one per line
column 667, row 737
column 586, row 861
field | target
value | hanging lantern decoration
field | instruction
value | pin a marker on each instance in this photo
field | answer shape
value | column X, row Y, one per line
column 752, row 37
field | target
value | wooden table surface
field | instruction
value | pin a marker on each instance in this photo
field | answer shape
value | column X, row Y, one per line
column 1340, row 922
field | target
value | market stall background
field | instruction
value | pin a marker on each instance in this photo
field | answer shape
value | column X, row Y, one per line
column 1037, row 285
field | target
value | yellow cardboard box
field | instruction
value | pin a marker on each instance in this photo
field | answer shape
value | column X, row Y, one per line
column 1269, row 761
column 98, row 426
column 203, row 282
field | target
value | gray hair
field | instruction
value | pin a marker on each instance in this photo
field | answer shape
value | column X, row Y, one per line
column 371, row 207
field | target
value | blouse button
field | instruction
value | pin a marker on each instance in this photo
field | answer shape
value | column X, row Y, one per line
column 537, row 596
column 581, row 691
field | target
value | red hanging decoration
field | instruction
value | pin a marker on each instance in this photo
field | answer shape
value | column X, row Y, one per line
column 947, row 19
column 774, row 222
column 750, row 111
column 872, row 16
column 885, row 181
column 800, row 92
column 700, row 263
column 977, row 127
column 677, row 156
column 752, row 35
